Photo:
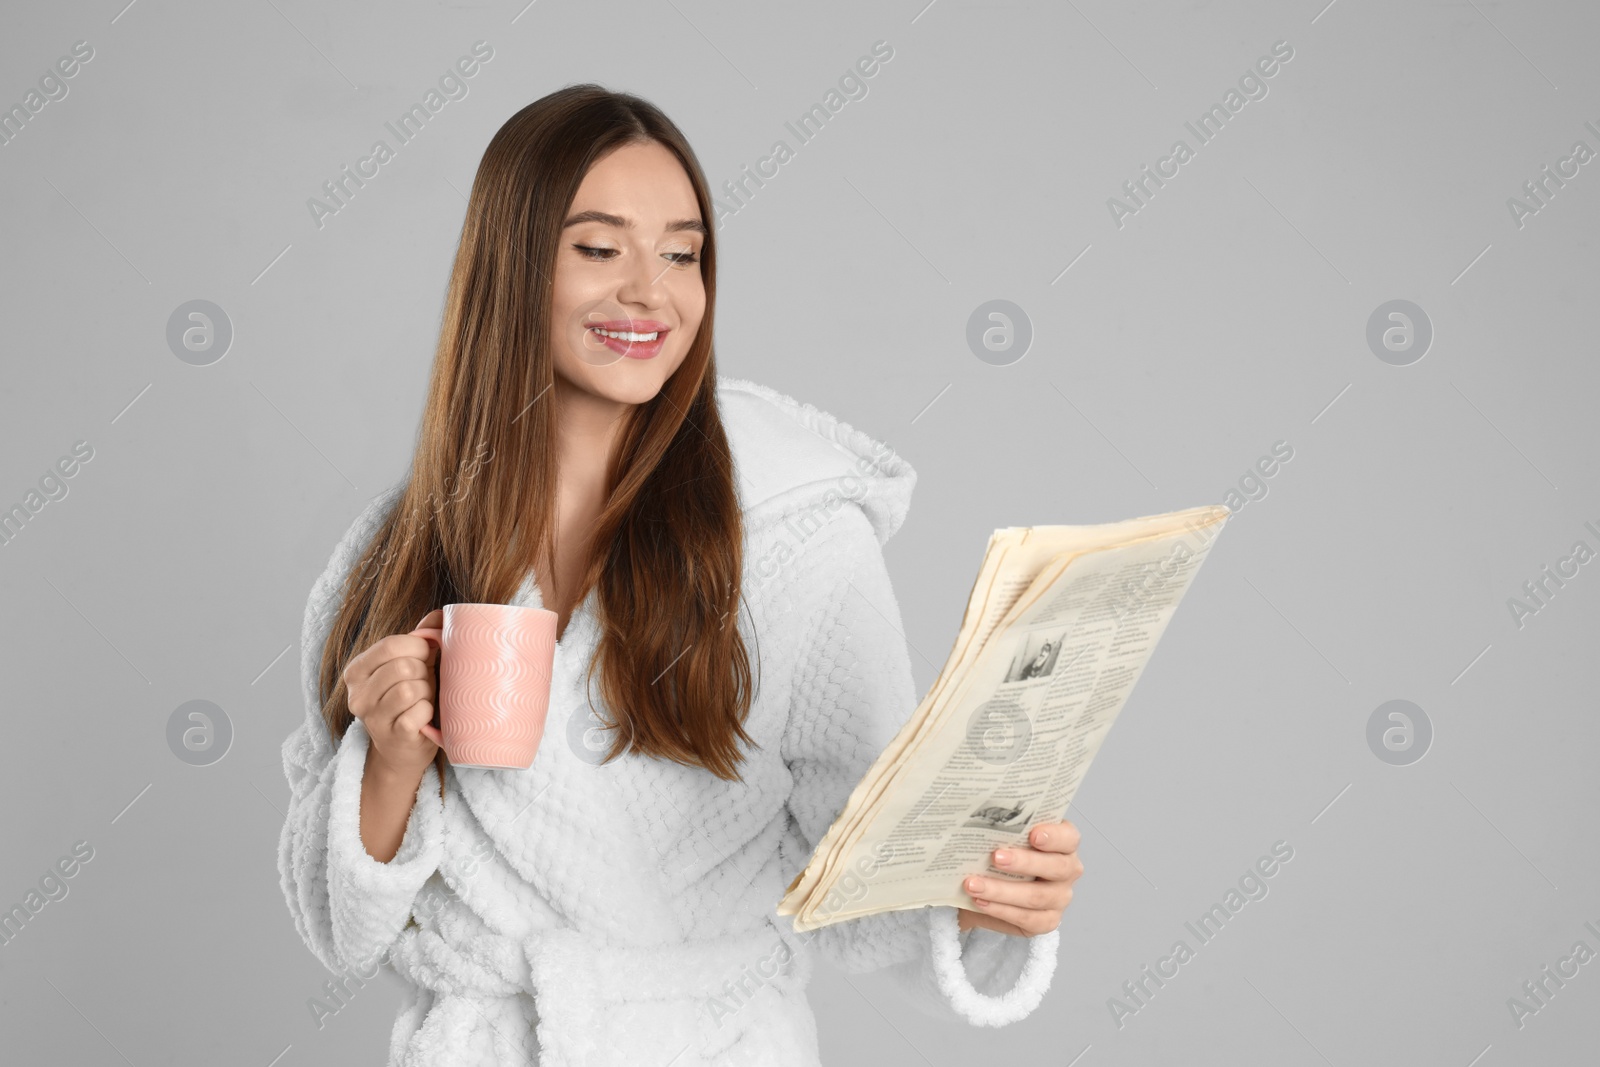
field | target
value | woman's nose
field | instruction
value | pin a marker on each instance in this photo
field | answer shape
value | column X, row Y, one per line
column 644, row 284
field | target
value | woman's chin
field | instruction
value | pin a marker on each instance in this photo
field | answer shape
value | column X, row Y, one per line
column 627, row 381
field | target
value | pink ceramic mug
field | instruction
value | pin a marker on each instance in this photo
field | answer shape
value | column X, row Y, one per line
column 494, row 683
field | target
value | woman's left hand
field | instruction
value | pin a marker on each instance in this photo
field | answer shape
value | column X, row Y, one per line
column 1026, row 909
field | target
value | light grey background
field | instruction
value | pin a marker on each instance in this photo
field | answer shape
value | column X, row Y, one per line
column 1230, row 313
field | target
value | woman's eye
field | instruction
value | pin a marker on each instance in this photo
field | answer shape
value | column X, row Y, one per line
column 603, row 254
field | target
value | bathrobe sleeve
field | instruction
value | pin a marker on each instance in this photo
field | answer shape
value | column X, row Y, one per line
column 853, row 692
column 348, row 907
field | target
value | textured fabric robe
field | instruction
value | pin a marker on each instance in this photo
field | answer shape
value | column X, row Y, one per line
column 580, row 915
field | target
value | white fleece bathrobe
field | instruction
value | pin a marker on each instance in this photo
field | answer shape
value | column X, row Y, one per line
column 579, row 915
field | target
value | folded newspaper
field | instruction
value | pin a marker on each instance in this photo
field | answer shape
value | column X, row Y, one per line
column 1059, row 625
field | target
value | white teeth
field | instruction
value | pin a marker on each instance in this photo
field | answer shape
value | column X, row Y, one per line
column 626, row 335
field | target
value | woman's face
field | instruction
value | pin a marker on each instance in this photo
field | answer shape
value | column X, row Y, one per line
column 629, row 264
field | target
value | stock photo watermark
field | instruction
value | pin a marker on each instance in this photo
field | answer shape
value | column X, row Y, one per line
column 1158, row 577
column 1211, row 122
column 1539, row 991
column 1251, row 886
column 199, row 332
column 433, row 898
column 854, row 884
column 1253, row 483
column 1542, row 189
column 852, row 86
column 1399, row 732
column 53, row 88
column 468, row 471
column 336, row 992
column 999, row 332
column 737, row 992
column 199, row 732
column 587, row 736
column 452, row 86
column 803, row 525
column 1542, row 588
column 1399, row 332
column 52, row 487
column 53, row 887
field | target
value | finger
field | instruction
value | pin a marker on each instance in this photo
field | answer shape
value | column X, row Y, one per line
column 384, row 651
column 412, row 718
column 377, row 704
column 989, row 922
column 1020, row 894
column 357, row 669
column 399, row 699
column 415, row 721
column 399, row 669
column 1055, row 837
column 1027, row 920
column 1055, row 866
column 433, row 620
column 410, row 646
column 404, row 656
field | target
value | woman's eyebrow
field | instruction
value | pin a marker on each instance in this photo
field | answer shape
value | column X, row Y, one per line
column 627, row 224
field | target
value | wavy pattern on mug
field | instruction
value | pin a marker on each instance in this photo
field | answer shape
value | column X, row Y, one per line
column 496, row 684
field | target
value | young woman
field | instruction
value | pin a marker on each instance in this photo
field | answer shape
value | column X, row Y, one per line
column 727, row 634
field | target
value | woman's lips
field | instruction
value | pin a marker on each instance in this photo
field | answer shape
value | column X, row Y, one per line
column 632, row 349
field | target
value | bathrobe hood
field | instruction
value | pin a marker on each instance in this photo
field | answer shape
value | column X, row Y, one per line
column 792, row 457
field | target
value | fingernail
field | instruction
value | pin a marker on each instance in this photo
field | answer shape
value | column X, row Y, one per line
column 974, row 884
column 1044, row 835
column 981, row 903
column 1002, row 857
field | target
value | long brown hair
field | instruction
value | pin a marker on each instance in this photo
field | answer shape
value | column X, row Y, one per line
column 479, row 505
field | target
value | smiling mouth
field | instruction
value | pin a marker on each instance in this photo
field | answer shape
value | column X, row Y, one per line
column 627, row 335
column 634, row 344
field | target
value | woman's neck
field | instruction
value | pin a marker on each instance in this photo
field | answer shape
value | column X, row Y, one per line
column 587, row 429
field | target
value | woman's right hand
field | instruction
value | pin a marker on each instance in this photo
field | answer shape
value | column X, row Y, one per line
column 391, row 688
